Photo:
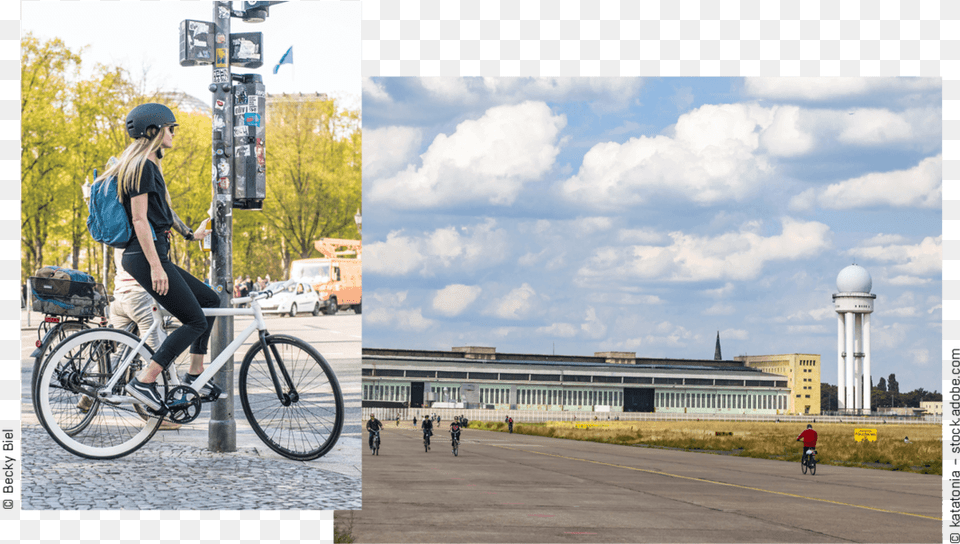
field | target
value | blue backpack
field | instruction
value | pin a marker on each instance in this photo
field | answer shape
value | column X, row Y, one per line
column 108, row 222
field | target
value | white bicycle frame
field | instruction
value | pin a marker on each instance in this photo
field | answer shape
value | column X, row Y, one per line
column 105, row 392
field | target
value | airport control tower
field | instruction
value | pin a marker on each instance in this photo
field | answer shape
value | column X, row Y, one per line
column 853, row 305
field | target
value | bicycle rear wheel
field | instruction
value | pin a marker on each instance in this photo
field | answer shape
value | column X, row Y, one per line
column 59, row 333
column 305, row 425
column 78, row 367
column 813, row 468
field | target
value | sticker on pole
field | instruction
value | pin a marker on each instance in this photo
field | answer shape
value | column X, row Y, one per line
column 251, row 119
column 221, row 57
column 220, row 75
column 261, row 155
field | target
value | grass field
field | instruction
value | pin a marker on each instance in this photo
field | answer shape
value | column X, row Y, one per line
column 765, row 440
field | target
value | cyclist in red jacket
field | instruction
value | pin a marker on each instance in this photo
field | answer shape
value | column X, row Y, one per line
column 809, row 438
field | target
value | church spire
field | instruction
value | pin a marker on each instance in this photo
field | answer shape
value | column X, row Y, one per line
column 716, row 353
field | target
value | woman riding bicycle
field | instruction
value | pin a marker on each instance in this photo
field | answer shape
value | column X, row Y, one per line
column 148, row 205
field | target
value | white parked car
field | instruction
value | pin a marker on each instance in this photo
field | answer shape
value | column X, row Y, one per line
column 291, row 297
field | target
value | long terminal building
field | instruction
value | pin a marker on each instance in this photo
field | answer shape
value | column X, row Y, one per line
column 479, row 377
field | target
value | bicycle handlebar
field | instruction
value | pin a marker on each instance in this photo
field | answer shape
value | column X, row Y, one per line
column 247, row 299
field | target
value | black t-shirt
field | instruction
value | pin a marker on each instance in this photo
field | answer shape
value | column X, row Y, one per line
column 159, row 214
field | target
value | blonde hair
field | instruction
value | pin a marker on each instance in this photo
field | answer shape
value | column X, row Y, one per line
column 129, row 168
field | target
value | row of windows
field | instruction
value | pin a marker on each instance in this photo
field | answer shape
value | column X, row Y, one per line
column 574, row 397
column 395, row 393
column 664, row 399
column 729, row 401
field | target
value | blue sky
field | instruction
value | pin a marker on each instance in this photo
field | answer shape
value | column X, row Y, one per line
column 636, row 214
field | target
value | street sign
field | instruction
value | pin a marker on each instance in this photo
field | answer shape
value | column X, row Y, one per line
column 246, row 49
column 196, row 43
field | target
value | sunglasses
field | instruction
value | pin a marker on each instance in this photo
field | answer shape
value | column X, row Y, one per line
column 172, row 129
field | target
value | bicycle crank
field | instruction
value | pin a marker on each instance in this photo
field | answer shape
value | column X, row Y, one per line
column 183, row 403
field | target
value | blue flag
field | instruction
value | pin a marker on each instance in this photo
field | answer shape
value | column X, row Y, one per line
column 287, row 58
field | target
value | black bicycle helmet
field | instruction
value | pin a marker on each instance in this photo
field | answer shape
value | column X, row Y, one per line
column 149, row 115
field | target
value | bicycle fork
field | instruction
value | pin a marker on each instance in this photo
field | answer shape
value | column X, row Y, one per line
column 286, row 399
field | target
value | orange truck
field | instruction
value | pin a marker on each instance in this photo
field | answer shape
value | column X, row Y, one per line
column 336, row 278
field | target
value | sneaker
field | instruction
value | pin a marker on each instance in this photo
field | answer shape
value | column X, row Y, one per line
column 145, row 393
column 85, row 404
column 208, row 388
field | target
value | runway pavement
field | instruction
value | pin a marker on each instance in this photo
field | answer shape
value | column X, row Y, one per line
column 176, row 471
column 514, row 488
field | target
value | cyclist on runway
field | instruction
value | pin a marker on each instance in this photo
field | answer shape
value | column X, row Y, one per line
column 454, row 430
column 809, row 438
column 427, row 427
column 373, row 426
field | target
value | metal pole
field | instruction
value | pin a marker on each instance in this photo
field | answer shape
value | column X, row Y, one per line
column 222, row 433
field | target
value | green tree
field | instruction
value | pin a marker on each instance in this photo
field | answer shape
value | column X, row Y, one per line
column 46, row 72
column 313, row 168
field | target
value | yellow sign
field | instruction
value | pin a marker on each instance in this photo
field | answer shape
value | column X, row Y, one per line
column 221, row 58
column 869, row 434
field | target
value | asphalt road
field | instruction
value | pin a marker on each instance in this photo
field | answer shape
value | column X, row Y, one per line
column 177, row 471
column 514, row 488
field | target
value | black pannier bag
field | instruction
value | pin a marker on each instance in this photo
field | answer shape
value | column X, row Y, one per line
column 63, row 291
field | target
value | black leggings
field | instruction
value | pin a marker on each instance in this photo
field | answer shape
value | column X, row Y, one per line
column 185, row 299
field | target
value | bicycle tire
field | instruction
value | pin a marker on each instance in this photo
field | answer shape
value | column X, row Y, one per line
column 59, row 333
column 88, row 359
column 456, row 448
column 290, row 430
column 376, row 446
column 813, row 468
column 803, row 466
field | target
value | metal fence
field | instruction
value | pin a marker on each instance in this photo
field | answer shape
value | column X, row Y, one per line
column 531, row 416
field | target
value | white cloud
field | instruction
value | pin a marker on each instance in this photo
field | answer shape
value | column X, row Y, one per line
column 920, row 356
column 478, row 246
column 923, row 259
column 448, row 89
column 519, row 303
column 784, row 137
column 374, row 91
column 454, row 299
column 589, row 225
column 561, row 330
column 733, row 334
column 826, row 88
column 387, row 149
column 711, row 157
column 485, row 160
column 391, row 309
column 667, row 334
column 642, row 236
column 592, row 325
column 917, row 187
column 731, row 256
column 720, row 292
column 720, row 309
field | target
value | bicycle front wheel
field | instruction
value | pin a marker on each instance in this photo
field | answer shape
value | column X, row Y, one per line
column 306, row 422
column 108, row 427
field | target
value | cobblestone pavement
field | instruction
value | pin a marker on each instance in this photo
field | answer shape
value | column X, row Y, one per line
column 176, row 471
column 175, row 476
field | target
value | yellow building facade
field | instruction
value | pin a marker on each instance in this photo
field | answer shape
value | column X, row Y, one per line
column 802, row 371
